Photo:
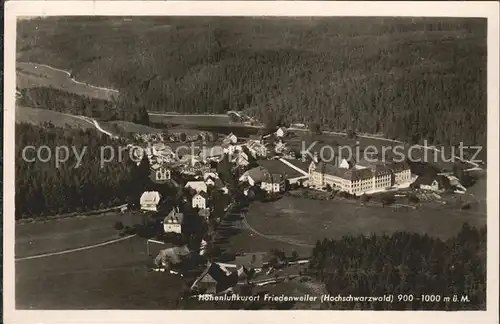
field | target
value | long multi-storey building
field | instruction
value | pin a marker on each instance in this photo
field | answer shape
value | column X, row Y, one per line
column 358, row 178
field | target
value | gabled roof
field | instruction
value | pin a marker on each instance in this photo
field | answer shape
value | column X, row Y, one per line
column 214, row 274
column 150, row 197
column 202, row 194
column 197, row 185
column 257, row 174
column 175, row 216
column 174, row 255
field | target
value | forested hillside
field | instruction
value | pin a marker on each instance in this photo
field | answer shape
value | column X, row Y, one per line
column 74, row 104
column 44, row 189
column 412, row 79
column 405, row 263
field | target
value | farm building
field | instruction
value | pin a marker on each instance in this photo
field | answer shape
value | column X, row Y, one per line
column 255, row 175
column 215, row 279
column 257, row 148
column 172, row 256
column 432, row 183
column 150, row 200
column 240, row 158
column 174, row 222
column 198, row 186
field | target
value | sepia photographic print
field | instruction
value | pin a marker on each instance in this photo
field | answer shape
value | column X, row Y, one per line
column 252, row 156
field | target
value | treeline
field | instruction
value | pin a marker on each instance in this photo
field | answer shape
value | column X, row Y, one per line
column 42, row 189
column 410, row 78
column 405, row 264
column 74, row 104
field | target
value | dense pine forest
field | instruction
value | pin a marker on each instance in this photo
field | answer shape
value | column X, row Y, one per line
column 410, row 78
column 405, row 263
column 44, row 189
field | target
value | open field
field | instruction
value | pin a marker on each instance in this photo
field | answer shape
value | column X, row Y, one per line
column 68, row 233
column 110, row 277
column 37, row 116
column 129, row 127
column 201, row 120
column 29, row 75
column 306, row 221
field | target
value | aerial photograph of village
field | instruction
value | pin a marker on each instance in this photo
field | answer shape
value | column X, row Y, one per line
column 250, row 163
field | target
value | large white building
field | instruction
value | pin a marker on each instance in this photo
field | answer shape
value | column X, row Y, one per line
column 358, row 178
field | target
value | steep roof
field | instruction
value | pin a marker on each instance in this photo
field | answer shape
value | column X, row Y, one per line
column 202, row 194
column 257, row 174
column 174, row 216
column 214, row 274
column 173, row 255
column 197, row 185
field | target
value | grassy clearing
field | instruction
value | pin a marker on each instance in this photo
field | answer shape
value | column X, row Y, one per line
column 56, row 235
column 38, row 116
column 309, row 220
column 30, row 75
column 208, row 120
column 111, row 277
column 129, row 127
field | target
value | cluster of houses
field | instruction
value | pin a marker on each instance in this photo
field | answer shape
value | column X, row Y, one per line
column 272, row 171
column 199, row 199
column 174, row 137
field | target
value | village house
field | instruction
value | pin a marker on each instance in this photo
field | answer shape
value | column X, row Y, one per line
column 160, row 174
column 280, row 147
column 432, row 183
column 274, row 183
column 198, row 186
column 230, row 139
column 174, row 221
column 357, row 178
column 280, row 132
column 150, row 200
column 215, row 280
column 210, row 174
column 254, row 176
column 200, row 200
column 210, row 181
column 257, row 148
column 240, row 158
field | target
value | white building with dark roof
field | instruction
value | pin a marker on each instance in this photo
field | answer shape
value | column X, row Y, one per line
column 358, row 178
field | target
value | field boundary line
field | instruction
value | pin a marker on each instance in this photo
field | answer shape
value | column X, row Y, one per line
column 72, row 79
column 83, row 248
column 32, row 220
